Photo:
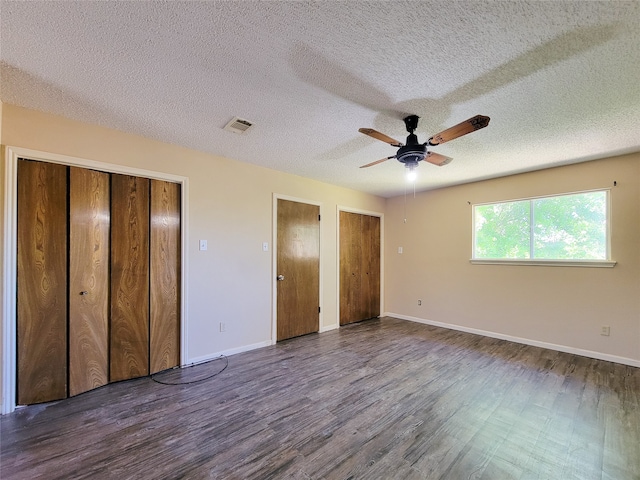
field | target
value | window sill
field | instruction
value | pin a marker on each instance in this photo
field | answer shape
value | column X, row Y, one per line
column 545, row 263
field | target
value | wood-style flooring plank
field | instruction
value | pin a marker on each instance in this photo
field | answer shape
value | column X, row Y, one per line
column 415, row 402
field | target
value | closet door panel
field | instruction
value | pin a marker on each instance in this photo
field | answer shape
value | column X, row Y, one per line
column 359, row 267
column 129, row 339
column 350, row 267
column 42, row 282
column 165, row 276
column 371, row 266
column 89, row 216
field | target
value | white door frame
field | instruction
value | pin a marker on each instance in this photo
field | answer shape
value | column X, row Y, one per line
column 9, row 245
column 380, row 215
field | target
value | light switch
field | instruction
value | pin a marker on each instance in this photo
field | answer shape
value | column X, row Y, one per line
column 399, row 249
column 203, row 245
column 265, row 246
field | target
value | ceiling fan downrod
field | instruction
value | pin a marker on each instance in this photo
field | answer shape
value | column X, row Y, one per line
column 413, row 152
column 411, row 122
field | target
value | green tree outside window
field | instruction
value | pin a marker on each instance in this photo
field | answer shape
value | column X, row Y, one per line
column 564, row 227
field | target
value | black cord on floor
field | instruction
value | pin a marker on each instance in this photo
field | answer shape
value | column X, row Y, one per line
column 190, row 366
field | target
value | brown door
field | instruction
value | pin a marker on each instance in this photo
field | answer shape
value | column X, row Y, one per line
column 359, row 267
column 42, row 282
column 298, row 269
column 370, row 266
column 98, row 279
column 89, row 220
column 129, row 339
column 164, row 311
column 350, row 267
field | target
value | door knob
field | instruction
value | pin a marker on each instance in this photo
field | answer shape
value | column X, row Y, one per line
column 280, row 278
column 84, row 292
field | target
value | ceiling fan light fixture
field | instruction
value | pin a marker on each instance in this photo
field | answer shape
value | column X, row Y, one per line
column 412, row 174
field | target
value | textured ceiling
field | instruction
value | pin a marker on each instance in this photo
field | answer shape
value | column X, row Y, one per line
column 560, row 80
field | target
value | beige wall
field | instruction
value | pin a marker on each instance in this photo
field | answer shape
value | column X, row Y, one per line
column 230, row 205
column 564, row 306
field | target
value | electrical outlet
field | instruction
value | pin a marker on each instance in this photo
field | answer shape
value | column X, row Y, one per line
column 605, row 330
column 419, row 302
column 223, row 327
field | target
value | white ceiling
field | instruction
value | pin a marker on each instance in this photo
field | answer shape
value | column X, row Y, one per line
column 559, row 79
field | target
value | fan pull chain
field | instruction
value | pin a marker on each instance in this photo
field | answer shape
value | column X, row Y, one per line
column 405, row 203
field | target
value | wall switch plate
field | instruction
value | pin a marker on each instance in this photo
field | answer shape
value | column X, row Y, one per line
column 605, row 330
column 223, row 327
column 419, row 302
column 203, row 245
column 399, row 249
column 265, row 246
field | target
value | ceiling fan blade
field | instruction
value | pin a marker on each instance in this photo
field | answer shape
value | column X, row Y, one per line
column 377, row 162
column 380, row 136
column 468, row 126
column 437, row 159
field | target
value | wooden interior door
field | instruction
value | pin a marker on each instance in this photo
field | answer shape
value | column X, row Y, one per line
column 298, row 266
column 164, row 312
column 350, row 267
column 370, row 266
column 359, row 267
column 89, row 222
column 129, row 339
column 42, row 282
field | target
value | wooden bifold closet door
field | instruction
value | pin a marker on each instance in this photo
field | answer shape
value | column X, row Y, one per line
column 89, row 219
column 42, row 282
column 164, row 328
column 101, row 303
column 129, row 277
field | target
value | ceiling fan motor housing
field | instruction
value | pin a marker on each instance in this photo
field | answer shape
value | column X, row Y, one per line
column 413, row 152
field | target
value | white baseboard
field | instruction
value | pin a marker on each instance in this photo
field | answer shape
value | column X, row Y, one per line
column 244, row 348
column 226, row 353
column 328, row 328
column 526, row 341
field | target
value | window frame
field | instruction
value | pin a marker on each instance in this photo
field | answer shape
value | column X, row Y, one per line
column 606, row 263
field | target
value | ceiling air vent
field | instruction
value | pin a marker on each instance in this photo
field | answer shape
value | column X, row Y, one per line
column 238, row 125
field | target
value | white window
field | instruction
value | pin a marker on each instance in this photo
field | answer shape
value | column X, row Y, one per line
column 562, row 229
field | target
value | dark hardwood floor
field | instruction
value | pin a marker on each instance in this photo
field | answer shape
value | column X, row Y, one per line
column 384, row 399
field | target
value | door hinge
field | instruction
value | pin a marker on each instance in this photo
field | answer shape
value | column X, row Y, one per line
column 318, row 217
column 318, row 309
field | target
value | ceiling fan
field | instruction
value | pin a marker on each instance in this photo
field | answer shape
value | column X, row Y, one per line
column 413, row 152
